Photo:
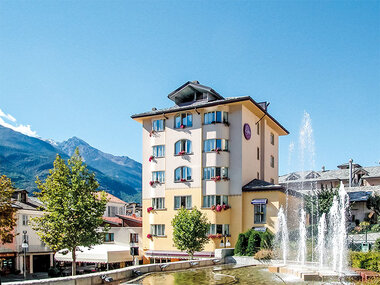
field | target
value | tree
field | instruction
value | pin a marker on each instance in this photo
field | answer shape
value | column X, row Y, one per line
column 7, row 211
column 190, row 230
column 373, row 203
column 73, row 212
column 320, row 202
column 253, row 243
column 241, row 244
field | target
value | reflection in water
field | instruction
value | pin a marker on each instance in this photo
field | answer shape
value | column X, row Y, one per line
column 218, row 275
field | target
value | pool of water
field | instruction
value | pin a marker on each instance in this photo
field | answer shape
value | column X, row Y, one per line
column 218, row 275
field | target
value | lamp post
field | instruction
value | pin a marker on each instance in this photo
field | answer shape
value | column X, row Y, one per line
column 225, row 242
column 24, row 246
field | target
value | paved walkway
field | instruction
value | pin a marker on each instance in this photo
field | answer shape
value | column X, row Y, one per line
column 20, row 277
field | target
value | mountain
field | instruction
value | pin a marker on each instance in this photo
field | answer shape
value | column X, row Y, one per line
column 22, row 158
column 119, row 167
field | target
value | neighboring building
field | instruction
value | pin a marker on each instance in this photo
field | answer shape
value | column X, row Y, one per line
column 122, row 243
column 203, row 151
column 38, row 256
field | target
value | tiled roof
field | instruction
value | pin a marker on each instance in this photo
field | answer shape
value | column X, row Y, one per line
column 337, row 174
column 111, row 198
column 113, row 220
column 261, row 185
column 132, row 218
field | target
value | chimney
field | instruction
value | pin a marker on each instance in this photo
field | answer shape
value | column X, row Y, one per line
column 350, row 172
column 323, row 168
column 154, row 109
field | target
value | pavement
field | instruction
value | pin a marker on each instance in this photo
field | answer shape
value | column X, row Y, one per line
column 20, row 277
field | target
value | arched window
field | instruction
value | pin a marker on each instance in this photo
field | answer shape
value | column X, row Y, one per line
column 182, row 147
column 183, row 120
column 182, row 174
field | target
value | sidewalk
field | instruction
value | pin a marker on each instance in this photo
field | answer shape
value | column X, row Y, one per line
column 20, row 277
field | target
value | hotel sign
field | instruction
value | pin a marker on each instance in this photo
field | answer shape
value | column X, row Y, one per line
column 247, row 131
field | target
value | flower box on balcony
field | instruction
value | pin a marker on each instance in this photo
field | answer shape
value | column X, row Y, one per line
column 215, row 236
column 218, row 208
column 149, row 236
column 152, row 132
column 183, row 180
column 216, row 178
column 182, row 152
column 225, row 207
column 218, row 150
column 151, row 183
column 151, row 158
column 149, row 209
column 182, row 126
column 226, row 178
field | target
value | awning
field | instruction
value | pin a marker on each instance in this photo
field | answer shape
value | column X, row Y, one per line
column 177, row 254
column 259, row 201
column 103, row 253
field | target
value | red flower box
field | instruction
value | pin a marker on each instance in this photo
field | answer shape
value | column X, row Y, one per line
column 149, row 209
column 216, row 178
column 218, row 208
column 181, row 152
column 151, row 183
column 226, row 178
column 182, row 126
column 218, row 150
column 151, row 132
column 183, row 180
column 149, row 236
column 151, row 158
column 225, row 207
column 213, row 207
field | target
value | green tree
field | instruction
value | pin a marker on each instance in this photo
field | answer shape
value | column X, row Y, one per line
column 253, row 243
column 241, row 244
column 190, row 230
column 320, row 201
column 7, row 211
column 373, row 203
column 73, row 213
column 376, row 246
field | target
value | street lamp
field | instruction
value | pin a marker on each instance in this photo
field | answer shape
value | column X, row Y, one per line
column 225, row 242
column 24, row 246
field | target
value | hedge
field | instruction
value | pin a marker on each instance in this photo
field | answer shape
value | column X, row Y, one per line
column 252, row 241
column 365, row 260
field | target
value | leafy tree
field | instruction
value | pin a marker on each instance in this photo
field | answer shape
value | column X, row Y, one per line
column 376, row 246
column 373, row 203
column 190, row 230
column 7, row 212
column 241, row 244
column 266, row 240
column 73, row 212
column 320, row 201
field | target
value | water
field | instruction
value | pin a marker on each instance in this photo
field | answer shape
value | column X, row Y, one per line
column 282, row 235
column 302, row 238
column 219, row 275
column 321, row 247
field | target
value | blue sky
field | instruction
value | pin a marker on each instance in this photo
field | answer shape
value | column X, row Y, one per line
column 83, row 67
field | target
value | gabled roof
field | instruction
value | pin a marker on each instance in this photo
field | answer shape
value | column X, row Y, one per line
column 113, row 220
column 190, row 87
column 111, row 198
column 133, row 220
column 261, row 185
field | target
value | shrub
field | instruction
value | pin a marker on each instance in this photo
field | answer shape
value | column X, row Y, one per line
column 241, row 245
column 375, row 228
column 266, row 240
column 366, row 260
column 376, row 246
column 253, row 243
column 264, row 254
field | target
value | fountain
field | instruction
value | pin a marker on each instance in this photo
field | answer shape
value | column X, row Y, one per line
column 321, row 247
column 302, row 238
column 282, row 235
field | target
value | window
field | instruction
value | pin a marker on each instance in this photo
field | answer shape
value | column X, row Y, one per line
column 272, row 161
column 210, row 200
column 260, row 213
column 157, row 230
column 272, row 138
column 215, row 117
column 219, row 229
column 158, row 125
column 25, row 220
column 112, row 211
column 272, row 180
column 258, row 128
column 108, row 237
column 182, row 147
column 158, row 203
column 183, row 120
column 134, row 238
column 182, row 202
column 182, row 174
column 212, row 172
column 258, row 175
column 158, row 176
column 159, row 151
column 215, row 144
column 258, row 153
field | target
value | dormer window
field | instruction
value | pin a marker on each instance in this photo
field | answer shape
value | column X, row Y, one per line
column 312, row 175
column 292, row 176
column 183, row 120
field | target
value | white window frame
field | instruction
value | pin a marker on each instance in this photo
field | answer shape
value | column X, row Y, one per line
column 179, row 200
column 212, row 117
column 213, row 200
column 157, row 230
column 158, row 176
column 158, row 125
column 184, row 170
column 260, row 218
column 211, row 145
column 158, row 151
column 211, row 172
column 184, row 145
column 183, row 120
column 158, row 203
column 213, row 229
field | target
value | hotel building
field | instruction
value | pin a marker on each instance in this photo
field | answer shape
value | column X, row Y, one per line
column 217, row 154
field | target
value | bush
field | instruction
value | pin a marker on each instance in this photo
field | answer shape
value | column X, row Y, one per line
column 376, row 246
column 366, row 260
column 264, row 254
column 54, row 272
column 241, row 245
column 266, row 240
column 253, row 243
column 375, row 228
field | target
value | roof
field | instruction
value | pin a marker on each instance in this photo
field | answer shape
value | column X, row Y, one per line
column 203, row 104
column 132, row 218
column 194, row 85
column 261, row 185
column 113, row 220
column 359, row 196
column 28, row 205
column 336, row 174
column 111, row 198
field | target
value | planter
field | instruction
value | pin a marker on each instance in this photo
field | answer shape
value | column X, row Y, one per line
column 149, row 209
column 216, row 178
column 149, row 236
column 151, row 158
column 183, row 180
column 182, row 126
